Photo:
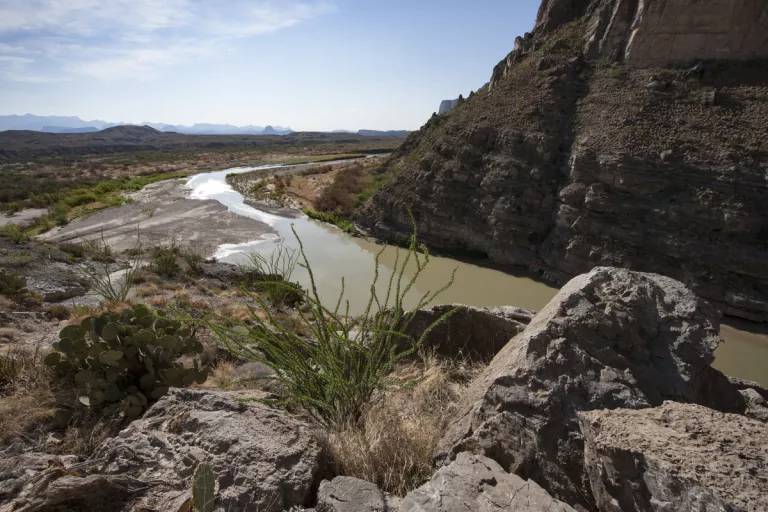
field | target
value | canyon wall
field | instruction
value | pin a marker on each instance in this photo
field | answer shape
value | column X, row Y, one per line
column 655, row 33
column 566, row 163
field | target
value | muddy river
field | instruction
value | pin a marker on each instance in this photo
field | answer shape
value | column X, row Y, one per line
column 334, row 255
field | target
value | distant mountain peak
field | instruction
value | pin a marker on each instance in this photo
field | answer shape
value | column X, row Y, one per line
column 131, row 130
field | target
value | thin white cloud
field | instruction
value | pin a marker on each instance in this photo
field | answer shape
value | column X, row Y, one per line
column 134, row 38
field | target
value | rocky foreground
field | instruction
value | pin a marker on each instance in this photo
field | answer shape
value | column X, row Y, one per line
column 605, row 400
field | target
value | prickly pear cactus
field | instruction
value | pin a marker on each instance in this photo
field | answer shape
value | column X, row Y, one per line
column 203, row 488
column 127, row 359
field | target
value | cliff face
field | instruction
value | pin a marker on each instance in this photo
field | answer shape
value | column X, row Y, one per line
column 654, row 33
column 567, row 163
column 447, row 105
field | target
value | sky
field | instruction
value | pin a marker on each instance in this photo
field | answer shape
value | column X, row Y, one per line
column 307, row 64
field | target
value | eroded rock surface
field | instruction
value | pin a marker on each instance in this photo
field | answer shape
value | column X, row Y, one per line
column 263, row 460
column 611, row 338
column 675, row 457
column 469, row 331
column 348, row 494
column 472, row 483
column 655, row 33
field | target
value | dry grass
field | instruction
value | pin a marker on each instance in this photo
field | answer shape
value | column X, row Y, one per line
column 393, row 444
column 9, row 333
column 158, row 302
column 79, row 313
column 6, row 304
column 149, row 290
column 27, row 398
column 237, row 311
column 171, row 286
column 32, row 397
column 86, row 430
column 184, row 300
column 231, row 292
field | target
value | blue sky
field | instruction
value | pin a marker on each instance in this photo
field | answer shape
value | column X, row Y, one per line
column 308, row 64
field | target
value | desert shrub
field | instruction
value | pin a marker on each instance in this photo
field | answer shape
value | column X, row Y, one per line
column 59, row 213
column 26, row 394
column 393, row 444
column 164, row 259
column 100, row 274
column 58, row 312
column 272, row 276
column 75, row 250
column 127, row 359
column 334, row 376
column 15, row 233
column 193, row 259
column 11, row 208
column 19, row 258
column 12, row 286
column 335, row 218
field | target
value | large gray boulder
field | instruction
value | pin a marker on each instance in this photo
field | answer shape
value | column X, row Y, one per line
column 476, row 483
column 263, row 460
column 348, row 494
column 474, row 332
column 611, row 338
column 675, row 457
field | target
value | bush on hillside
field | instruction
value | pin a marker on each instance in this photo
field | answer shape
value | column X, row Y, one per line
column 14, row 233
column 12, row 286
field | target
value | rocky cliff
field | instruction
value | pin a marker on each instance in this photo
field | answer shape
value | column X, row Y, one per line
column 447, row 106
column 567, row 162
column 654, row 33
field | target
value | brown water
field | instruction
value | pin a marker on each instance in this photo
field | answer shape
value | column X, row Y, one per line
column 334, row 255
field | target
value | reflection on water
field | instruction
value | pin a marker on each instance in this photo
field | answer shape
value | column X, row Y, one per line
column 335, row 255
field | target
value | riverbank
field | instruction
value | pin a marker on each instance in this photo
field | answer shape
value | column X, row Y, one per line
column 160, row 212
column 205, row 211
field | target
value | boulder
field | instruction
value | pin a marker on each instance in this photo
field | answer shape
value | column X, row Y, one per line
column 470, row 331
column 348, row 494
column 610, row 339
column 675, row 457
column 263, row 459
column 473, row 482
column 755, row 398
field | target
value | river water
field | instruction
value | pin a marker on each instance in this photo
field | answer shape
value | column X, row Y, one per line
column 334, row 255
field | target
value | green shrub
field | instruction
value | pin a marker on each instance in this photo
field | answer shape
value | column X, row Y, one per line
column 164, row 260
column 333, row 375
column 127, row 359
column 11, row 208
column 335, row 218
column 193, row 259
column 19, row 258
column 59, row 213
column 15, row 233
column 75, row 250
column 12, row 286
column 272, row 276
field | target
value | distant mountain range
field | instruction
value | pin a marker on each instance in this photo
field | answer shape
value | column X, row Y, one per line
column 71, row 124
